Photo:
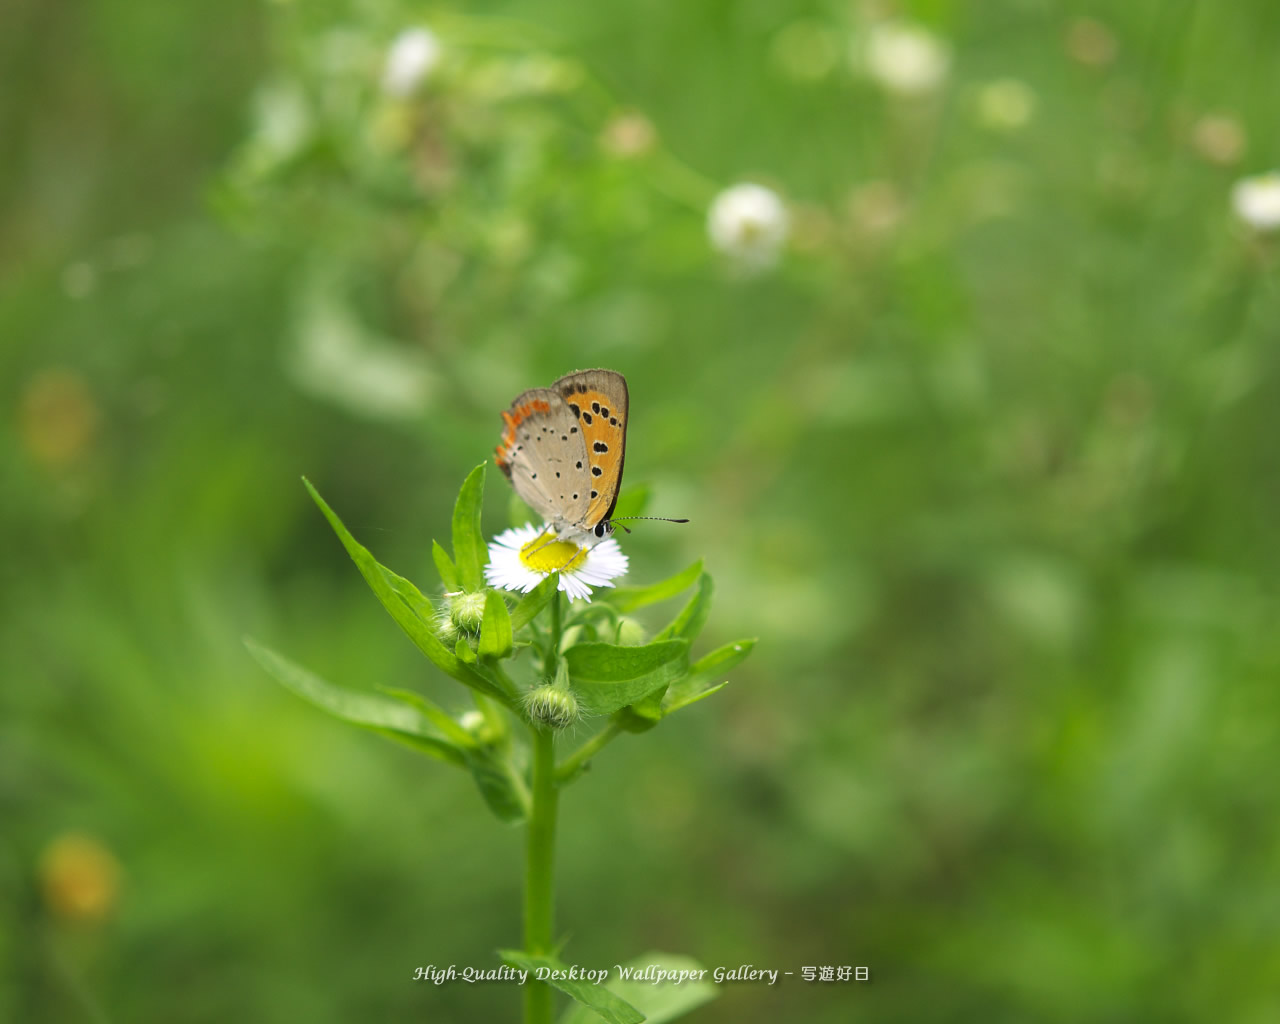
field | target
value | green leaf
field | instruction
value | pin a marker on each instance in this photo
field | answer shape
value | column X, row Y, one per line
column 612, row 1008
column 412, row 612
column 661, row 1001
column 391, row 718
column 693, row 617
column 704, row 675
column 463, row 652
column 678, row 696
column 627, row 599
column 444, row 566
column 495, row 629
column 607, row 677
column 722, row 659
column 435, row 714
column 468, row 542
column 501, row 785
column 533, row 602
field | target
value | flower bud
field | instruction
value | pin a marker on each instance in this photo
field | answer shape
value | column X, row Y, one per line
column 467, row 612
column 552, row 707
column 630, row 632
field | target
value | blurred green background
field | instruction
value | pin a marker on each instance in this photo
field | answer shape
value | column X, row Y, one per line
column 987, row 459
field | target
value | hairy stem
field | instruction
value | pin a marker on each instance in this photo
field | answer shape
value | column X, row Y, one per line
column 540, row 849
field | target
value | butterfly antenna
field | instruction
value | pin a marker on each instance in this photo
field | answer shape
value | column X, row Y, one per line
column 659, row 519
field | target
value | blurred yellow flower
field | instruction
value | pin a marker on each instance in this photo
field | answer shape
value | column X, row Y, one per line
column 628, row 134
column 57, row 417
column 1219, row 138
column 80, row 878
column 1090, row 42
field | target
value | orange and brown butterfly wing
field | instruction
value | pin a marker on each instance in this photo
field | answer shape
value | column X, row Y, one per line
column 598, row 401
column 543, row 455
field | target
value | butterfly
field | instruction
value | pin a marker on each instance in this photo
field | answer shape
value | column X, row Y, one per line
column 562, row 449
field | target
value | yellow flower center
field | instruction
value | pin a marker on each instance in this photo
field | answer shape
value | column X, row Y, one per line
column 544, row 555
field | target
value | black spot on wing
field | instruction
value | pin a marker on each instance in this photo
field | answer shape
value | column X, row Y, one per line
column 601, row 447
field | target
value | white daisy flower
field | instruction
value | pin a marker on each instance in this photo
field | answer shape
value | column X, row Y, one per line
column 749, row 224
column 413, row 55
column 1257, row 201
column 904, row 59
column 521, row 558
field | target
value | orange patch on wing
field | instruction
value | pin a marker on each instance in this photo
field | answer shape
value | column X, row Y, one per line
column 513, row 419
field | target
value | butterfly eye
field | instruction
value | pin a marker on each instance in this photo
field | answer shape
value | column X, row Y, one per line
column 600, row 529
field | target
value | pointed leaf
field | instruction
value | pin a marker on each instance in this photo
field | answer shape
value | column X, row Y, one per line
column 397, row 720
column 661, row 1001
column 705, row 674
column 502, row 787
column 435, row 714
column 462, row 650
column 607, row 677
column 689, row 622
column 612, row 1008
column 495, row 629
column 444, row 566
column 627, row 599
column 469, row 552
column 533, row 602
column 674, row 700
column 406, row 604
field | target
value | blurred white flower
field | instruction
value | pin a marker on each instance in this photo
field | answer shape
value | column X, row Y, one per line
column 1257, row 201
column 749, row 224
column 904, row 59
column 1006, row 104
column 413, row 55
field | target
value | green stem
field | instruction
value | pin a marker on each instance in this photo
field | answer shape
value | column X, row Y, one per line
column 576, row 761
column 553, row 640
column 540, row 850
